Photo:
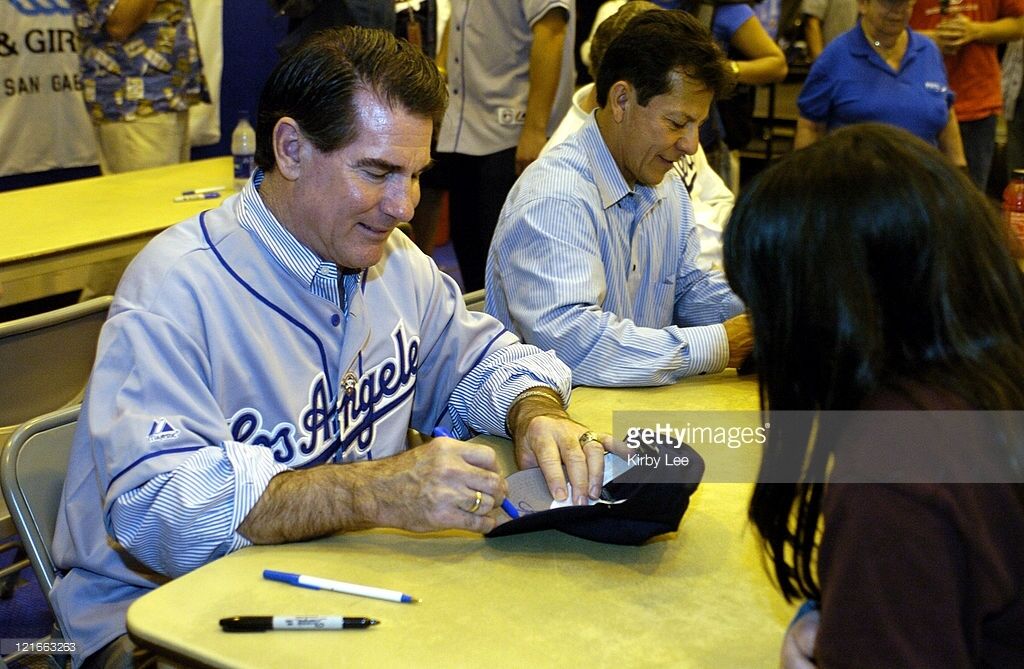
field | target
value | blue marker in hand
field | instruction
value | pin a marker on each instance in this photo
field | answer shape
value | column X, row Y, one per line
column 506, row 505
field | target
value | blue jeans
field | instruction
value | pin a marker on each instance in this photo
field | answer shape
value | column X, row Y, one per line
column 979, row 138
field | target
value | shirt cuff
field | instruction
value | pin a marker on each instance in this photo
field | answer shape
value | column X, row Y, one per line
column 705, row 349
column 484, row 395
column 253, row 468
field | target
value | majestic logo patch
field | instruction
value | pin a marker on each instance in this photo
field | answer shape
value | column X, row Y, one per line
column 161, row 430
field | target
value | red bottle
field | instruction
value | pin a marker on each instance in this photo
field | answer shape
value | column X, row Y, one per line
column 1013, row 211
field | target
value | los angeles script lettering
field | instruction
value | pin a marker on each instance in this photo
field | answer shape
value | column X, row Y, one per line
column 350, row 421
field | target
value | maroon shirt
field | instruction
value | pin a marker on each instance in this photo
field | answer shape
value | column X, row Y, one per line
column 919, row 574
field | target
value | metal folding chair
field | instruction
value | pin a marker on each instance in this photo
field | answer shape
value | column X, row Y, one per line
column 46, row 360
column 475, row 299
column 33, row 465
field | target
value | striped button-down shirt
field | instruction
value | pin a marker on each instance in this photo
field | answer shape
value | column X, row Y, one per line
column 320, row 276
column 604, row 274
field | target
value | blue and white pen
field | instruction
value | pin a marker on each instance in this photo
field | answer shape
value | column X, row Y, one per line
column 197, row 196
column 316, row 583
column 506, row 505
column 200, row 191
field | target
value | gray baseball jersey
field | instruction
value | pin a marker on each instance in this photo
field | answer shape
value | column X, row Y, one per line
column 489, row 73
column 220, row 366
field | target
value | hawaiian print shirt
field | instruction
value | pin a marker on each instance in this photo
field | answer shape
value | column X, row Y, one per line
column 157, row 69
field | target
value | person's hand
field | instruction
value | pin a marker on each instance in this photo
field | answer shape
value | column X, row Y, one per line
column 953, row 33
column 530, row 144
column 798, row 644
column 741, row 340
column 547, row 438
column 551, row 442
column 443, row 484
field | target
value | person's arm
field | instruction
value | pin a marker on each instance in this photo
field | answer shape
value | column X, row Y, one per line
column 127, row 16
column 765, row 63
column 441, row 58
column 480, row 380
column 175, row 483
column 815, row 103
column 808, row 132
column 950, row 143
column 429, row 487
column 483, row 380
column 959, row 30
column 813, row 36
column 798, row 644
column 545, row 73
column 699, row 299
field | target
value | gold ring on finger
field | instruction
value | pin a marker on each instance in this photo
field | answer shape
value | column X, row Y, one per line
column 476, row 502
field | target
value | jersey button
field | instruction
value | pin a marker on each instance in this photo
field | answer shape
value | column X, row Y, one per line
column 335, row 320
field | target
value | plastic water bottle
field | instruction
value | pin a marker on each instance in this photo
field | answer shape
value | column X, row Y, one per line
column 1013, row 211
column 243, row 149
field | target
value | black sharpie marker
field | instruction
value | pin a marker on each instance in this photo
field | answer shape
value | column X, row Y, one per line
column 267, row 623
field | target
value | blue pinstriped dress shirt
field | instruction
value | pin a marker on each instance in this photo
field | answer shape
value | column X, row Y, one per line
column 606, row 275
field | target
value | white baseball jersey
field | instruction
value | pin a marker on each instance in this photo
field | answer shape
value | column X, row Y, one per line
column 489, row 73
column 228, row 358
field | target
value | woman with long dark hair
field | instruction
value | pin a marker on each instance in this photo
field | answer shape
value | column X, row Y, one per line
column 878, row 279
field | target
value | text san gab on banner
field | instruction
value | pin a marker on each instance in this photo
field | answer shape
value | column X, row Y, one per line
column 43, row 122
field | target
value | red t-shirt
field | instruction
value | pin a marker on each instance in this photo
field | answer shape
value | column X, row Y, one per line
column 973, row 71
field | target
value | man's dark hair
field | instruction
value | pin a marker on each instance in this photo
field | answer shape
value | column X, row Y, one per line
column 652, row 46
column 610, row 28
column 316, row 85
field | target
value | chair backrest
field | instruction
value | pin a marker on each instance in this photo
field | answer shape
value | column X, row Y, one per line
column 46, row 359
column 475, row 299
column 33, row 465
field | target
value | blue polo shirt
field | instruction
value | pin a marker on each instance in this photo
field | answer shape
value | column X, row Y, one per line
column 851, row 83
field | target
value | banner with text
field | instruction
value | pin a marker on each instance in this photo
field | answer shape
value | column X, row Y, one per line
column 43, row 122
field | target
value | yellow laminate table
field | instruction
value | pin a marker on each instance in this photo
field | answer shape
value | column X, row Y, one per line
column 697, row 598
column 51, row 235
